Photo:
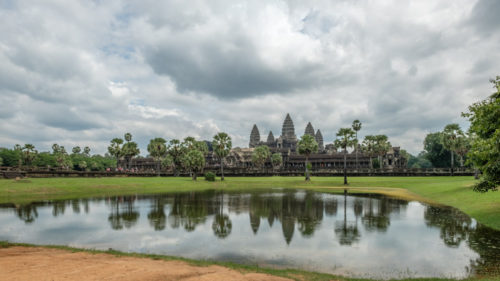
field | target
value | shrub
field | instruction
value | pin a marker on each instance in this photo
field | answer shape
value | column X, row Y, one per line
column 209, row 176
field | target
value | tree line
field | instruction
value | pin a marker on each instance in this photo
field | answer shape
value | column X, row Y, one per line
column 78, row 159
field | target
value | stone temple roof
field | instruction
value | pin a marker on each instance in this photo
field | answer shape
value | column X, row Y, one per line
column 309, row 130
column 288, row 130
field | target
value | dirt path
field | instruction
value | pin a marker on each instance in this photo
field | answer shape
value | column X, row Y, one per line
column 33, row 263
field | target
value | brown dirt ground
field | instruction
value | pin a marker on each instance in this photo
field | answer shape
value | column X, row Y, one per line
column 35, row 263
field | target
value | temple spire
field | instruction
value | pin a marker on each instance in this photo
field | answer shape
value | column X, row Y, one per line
column 254, row 137
column 319, row 140
column 270, row 138
column 309, row 130
column 288, row 130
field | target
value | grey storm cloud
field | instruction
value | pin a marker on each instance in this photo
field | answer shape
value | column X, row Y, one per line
column 85, row 72
column 227, row 74
column 485, row 17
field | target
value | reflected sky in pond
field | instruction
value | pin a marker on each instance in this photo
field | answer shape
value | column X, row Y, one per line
column 361, row 236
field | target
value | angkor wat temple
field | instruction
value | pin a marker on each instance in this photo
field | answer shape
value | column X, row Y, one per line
column 327, row 157
column 288, row 139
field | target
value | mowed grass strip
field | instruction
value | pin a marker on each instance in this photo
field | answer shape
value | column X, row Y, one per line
column 452, row 191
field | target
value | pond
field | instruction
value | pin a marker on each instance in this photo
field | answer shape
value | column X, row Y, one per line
column 360, row 236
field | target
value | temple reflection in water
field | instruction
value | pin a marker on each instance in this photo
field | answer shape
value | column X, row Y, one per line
column 290, row 211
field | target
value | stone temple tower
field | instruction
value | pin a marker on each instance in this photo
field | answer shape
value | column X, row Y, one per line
column 309, row 130
column 270, row 138
column 254, row 137
column 319, row 140
column 288, row 130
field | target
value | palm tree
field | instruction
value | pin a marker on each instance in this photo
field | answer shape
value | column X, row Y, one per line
column 128, row 137
column 86, row 151
column 462, row 148
column 76, row 150
column 175, row 150
column 382, row 145
column 222, row 145
column 29, row 153
column 129, row 151
column 450, row 139
column 345, row 139
column 307, row 145
column 115, row 149
column 276, row 160
column 157, row 149
column 356, row 126
column 260, row 155
column 193, row 161
column 369, row 147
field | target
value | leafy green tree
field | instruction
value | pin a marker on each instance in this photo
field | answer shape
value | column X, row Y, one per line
column 100, row 163
column 369, row 144
column 76, row 150
column 450, row 140
column 19, row 149
column 29, row 153
column 157, row 149
column 1, row 161
column 435, row 152
column 45, row 159
column 222, row 146
column 175, row 151
column 276, row 160
column 115, row 148
column 191, row 143
column 82, row 165
column 167, row 162
column 193, row 161
column 418, row 161
column 345, row 139
column 306, row 146
column 10, row 157
column 484, row 117
column 62, row 159
column 356, row 126
column 260, row 155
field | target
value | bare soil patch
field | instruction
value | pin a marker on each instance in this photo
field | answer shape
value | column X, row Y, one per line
column 36, row 263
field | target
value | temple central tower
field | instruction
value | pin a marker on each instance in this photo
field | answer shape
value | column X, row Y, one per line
column 288, row 130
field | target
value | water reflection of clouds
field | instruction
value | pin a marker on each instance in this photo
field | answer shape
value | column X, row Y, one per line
column 375, row 236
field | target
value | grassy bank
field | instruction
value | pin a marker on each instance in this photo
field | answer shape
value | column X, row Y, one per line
column 287, row 273
column 452, row 191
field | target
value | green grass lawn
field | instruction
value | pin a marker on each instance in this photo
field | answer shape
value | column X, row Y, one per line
column 452, row 191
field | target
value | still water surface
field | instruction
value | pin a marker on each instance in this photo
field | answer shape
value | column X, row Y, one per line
column 361, row 236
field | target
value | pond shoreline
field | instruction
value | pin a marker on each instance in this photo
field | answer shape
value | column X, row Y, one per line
column 23, row 261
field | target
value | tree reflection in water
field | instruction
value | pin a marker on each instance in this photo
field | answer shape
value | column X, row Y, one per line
column 301, row 211
column 456, row 227
column 156, row 216
column 221, row 225
column 347, row 232
column 123, row 212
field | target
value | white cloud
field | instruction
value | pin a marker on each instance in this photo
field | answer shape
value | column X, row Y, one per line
column 84, row 72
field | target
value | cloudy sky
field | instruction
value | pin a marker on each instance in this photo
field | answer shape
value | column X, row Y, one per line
column 83, row 72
